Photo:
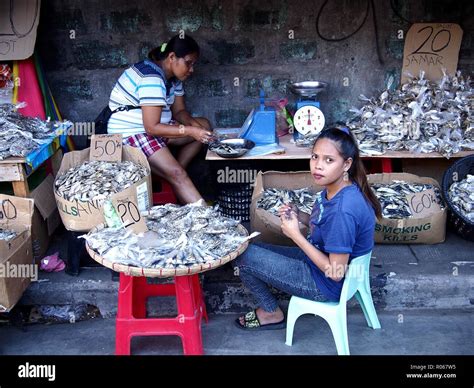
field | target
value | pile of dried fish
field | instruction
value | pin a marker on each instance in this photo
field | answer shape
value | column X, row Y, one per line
column 96, row 180
column 306, row 141
column 19, row 135
column 178, row 237
column 421, row 116
column 462, row 196
column 393, row 197
column 7, row 234
column 272, row 199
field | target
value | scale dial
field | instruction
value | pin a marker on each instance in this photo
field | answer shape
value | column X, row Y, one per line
column 309, row 120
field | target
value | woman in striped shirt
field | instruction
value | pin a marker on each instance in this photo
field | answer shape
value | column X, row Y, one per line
column 155, row 86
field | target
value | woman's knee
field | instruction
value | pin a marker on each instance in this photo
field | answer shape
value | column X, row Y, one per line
column 176, row 175
column 248, row 258
column 204, row 122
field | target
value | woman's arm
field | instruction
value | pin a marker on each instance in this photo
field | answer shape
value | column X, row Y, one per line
column 181, row 114
column 151, row 122
column 334, row 265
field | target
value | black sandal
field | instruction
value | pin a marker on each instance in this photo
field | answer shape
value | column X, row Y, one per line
column 251, row 322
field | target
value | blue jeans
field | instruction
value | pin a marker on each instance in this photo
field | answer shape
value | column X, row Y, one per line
column 282, row 267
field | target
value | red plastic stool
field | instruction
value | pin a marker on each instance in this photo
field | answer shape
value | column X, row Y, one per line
column 131, row 315
column 166, row 195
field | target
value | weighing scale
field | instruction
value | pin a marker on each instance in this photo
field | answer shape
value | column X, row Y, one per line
column 260, row 124
column 308, row 119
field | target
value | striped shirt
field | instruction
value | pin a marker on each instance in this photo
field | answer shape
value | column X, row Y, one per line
column 142, row 84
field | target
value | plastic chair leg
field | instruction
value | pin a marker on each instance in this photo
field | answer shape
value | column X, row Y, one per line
column 292, row 316
column 365, row 299
column 339, row 332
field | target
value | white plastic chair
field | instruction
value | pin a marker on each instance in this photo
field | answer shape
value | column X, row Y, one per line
column 356, row 283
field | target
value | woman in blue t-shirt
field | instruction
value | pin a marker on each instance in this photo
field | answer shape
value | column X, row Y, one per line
column 341, row 227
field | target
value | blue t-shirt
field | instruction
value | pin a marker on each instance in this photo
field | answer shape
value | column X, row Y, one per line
column 344, row 224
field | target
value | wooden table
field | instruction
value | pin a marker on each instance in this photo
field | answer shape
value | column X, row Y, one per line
column 292, row 152
column 17, row 170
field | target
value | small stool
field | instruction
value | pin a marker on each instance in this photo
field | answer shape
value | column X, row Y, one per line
column 166, row 195
column 131, row 315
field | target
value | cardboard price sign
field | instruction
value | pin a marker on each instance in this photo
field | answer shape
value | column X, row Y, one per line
column 8, row 210
column 423, row 204
column 126, row 207
column 431, row 47
column 106, row 148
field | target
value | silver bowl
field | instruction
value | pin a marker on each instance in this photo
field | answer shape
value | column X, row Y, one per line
column 231, row 148
column 308, row 88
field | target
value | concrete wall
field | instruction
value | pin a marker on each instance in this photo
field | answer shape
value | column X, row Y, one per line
column 85, row 45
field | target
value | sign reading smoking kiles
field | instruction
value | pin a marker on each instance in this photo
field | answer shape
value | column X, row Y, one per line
column 82, row 215
column 432, row 48
column 428, row 222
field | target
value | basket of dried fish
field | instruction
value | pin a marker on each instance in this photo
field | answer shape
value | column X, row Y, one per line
column 181, row 240
column 458, row 192
column 406, row 219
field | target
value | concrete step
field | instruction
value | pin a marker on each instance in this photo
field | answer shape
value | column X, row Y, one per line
column 402, row 277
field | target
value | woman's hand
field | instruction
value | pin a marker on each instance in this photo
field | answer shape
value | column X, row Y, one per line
column 289, row 222
column 200, row 134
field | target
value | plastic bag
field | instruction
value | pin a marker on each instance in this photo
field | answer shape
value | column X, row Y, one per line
column 284, row 122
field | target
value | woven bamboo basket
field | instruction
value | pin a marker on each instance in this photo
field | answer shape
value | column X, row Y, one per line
column 166, row 272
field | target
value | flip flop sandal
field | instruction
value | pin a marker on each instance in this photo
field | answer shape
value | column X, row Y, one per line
column 251, row 322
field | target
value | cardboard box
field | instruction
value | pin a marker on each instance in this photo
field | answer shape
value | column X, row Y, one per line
column 426, row 230
column 16, row 256
column 46, row 217
column 19, row 21
column 82, row 216
column 266, row 223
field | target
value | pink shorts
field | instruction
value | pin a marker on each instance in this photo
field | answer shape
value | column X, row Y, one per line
column 147, row 143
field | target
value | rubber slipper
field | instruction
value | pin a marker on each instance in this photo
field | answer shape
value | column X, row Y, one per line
column 251, row 322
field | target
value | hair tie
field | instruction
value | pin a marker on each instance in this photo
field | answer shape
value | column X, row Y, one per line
column 163, row 47
column 345, row 130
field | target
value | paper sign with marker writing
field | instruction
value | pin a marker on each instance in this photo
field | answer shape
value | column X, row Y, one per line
column 107, row 148
column 423, row 204
column 126, row 206
column 431, row 47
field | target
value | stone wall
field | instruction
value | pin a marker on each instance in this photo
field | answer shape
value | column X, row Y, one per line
column 86, row 45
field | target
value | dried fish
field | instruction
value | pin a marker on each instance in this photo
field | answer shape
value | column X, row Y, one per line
column 19, row 135
column 421, row 116
column 178, row 237
column 272, row 199
column 7, row 234
column 97, row 180
column 393, row 197
column 461, row 195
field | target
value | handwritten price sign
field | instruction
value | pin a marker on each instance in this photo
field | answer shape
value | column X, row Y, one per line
column 7, row 210
column 127, row 209
column 107, row 148
column 431, row 47
column 423, row 204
